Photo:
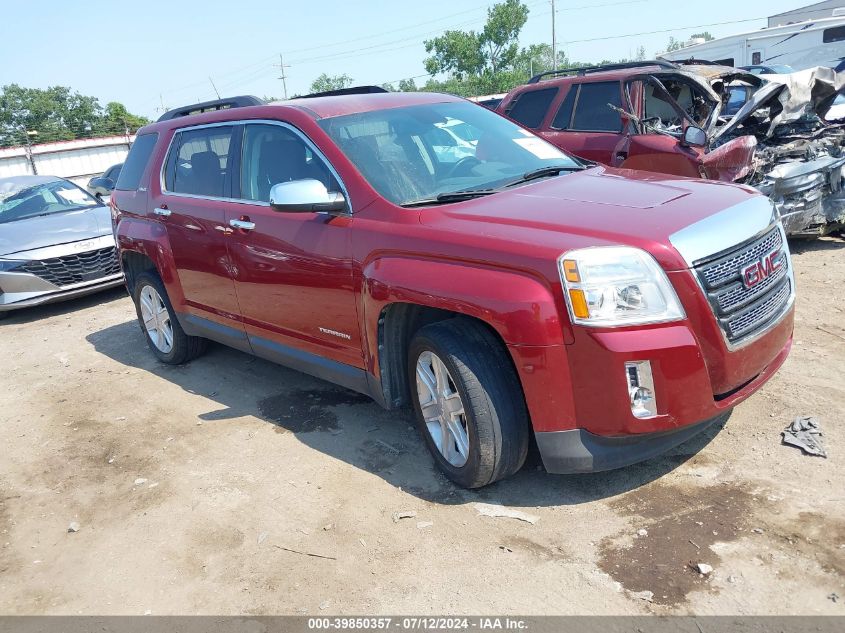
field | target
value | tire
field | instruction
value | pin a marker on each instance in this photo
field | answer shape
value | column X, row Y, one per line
column 178, row 347
column 494, row 418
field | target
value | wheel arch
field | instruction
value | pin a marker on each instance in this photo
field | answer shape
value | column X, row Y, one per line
column 401, row 295
column 143, row 245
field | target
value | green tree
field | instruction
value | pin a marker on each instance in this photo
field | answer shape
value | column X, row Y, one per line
column 116, row 119
column 408, row 85
column 705, row 35
column 57, row 114
column 675, row 45
column 482, row 59
column 324, row 82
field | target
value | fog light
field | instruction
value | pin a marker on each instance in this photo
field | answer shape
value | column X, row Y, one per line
column 641, row 388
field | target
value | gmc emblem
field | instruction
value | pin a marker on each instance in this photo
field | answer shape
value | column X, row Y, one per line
column 762, row 269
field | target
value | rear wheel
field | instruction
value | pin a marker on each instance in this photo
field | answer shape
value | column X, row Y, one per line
column 468, row 402
column 164, row 335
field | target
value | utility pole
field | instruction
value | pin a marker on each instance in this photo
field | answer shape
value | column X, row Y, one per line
column 27, row 135
column 283, row 77
column 163, row 107
column 554, row 41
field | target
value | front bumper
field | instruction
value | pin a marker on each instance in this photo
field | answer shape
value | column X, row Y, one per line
column 17, row 300
column 579, row 451
column 59, row 272
column 809, row 196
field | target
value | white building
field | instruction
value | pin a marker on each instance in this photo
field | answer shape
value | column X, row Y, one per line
column 77, row 160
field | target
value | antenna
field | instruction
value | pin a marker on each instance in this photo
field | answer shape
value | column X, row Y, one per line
column 554, row 39
column 283, row 76
column 215, row 88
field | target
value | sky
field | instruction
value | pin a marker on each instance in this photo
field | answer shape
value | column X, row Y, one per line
column 164, row 53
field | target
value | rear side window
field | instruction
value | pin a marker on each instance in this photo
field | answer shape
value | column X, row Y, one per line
column 835, row 34
column 564, row 112
column 529, row 108
column 199, row 162
column 136, row 162
column 591, row 111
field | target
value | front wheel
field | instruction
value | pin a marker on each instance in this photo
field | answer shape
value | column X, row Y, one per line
column 164, row 335
column 468, row 402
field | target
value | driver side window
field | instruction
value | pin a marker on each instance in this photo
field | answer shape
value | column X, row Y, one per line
column 273, row 154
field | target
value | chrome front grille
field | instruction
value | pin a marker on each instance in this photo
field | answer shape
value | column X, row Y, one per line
column 74, row 269
column 742, row 308
column 727, row 267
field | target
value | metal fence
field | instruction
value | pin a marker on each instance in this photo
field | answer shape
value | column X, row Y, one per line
column 77, row 160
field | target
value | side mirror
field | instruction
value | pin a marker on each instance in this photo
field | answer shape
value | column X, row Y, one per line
column 305, row 196
column 695, row 136
column 101, row 186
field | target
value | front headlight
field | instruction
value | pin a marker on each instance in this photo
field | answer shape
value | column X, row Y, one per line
column 609, row 286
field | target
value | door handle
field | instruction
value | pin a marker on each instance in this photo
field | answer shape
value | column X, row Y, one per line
column 162, row 212
column 245, row 225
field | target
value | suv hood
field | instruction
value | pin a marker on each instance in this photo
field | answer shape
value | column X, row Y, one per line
column 57, row 228
column 594, row 207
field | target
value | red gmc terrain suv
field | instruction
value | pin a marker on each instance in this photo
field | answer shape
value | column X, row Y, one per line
column 426, row 251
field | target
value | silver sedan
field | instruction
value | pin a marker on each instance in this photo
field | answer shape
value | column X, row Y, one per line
column 56, row 242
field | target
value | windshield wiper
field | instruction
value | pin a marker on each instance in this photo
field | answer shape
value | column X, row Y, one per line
column 544, row 172
column 451, row 196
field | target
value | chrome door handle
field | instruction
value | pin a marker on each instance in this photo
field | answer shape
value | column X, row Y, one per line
column 162, row 212
column 242, row 224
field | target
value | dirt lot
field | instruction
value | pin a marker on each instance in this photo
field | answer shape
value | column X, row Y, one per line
column 203, row 488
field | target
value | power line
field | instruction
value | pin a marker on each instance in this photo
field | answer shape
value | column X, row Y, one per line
column 264, row 60
column 380, row 48
column 253, row 74
column 677, row 28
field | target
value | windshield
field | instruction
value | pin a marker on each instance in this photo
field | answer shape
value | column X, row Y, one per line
column 20, row 199
column 419, row 152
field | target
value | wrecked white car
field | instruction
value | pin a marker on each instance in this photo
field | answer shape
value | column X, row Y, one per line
column 799, row 158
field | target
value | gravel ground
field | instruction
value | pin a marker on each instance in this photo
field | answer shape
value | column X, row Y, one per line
column 232, row 485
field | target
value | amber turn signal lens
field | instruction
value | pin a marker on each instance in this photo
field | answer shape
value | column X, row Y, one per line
column 579, row 304
column 570, row 270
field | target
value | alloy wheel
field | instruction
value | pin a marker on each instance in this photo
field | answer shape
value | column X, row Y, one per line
column 442, row 409
column 156, row 319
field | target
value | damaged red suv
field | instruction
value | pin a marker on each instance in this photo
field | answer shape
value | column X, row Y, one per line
column 498, row 286
column 701, row 120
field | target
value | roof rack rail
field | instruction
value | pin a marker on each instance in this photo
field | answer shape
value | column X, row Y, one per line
column 597, row 69
column 354, row 90
column 210, row 106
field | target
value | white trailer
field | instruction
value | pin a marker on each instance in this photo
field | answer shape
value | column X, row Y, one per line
column 801, row 45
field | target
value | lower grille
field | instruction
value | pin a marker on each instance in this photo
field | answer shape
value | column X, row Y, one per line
column 74, row 269
column 759, row 314
column 748, row 287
